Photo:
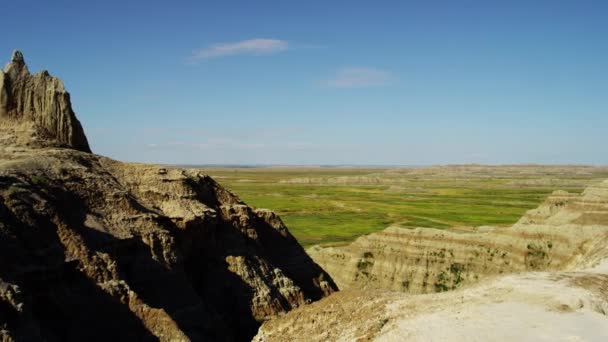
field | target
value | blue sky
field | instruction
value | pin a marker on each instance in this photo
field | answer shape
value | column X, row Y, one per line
column 327, row 82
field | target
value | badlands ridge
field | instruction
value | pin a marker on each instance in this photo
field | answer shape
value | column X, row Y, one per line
column 92, row 249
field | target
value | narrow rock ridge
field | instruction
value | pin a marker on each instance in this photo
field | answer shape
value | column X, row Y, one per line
column 41, row 101
column 565, row 231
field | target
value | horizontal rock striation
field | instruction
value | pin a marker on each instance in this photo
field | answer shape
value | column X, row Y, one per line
column 565, row 231
column 546, row 278
column 42, row 101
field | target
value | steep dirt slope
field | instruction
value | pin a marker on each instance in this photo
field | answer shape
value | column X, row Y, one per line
column 555, row 236
column 567, row 236
column 95, row 249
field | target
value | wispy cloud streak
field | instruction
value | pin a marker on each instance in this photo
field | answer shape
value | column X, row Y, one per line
column 256, row 46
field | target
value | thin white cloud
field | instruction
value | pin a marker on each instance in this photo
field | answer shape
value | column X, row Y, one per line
column 256, row 46
column 356, row 77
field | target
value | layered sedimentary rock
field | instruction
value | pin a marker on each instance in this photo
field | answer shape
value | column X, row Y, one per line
column 537, row 306
column 41, row 101
column 564, row 230
column 95, row 249
column 545, row 278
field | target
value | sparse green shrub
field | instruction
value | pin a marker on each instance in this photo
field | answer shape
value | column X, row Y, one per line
column 456, row 269
column 536, row 250
column 536, row 256
column 363, row 264
column 39, row 180
column 439, row 287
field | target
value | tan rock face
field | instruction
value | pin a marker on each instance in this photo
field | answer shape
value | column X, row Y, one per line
column 95, row 249
column 559, row 234
column 545, row 278
column 39, row 99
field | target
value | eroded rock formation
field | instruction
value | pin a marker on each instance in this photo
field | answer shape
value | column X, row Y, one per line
column 95, row 249
column 545, row 278
column 559, row 234
column 39, row 100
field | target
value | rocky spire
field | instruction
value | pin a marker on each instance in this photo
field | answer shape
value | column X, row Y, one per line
column 17, row 57
column 39, row 99
column 17, row 65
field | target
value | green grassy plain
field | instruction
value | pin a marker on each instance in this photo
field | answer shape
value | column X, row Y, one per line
column 333, row 205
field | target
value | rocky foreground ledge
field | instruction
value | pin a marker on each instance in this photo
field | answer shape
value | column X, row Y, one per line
column 92, row 249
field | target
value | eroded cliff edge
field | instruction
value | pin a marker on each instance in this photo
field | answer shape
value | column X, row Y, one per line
column 95, row 249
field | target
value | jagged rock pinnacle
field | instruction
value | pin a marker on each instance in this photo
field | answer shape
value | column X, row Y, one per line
column 17, row 65
column 40, row 100
column 17, row 57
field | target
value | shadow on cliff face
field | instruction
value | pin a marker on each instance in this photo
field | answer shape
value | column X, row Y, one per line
column 76, row 309
column 226, row 293
column 198, row 294
column 53, row 299
column 75, row 275
column 61, row 303
column 285, row 252
column 274, row 242
column 184, row 291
